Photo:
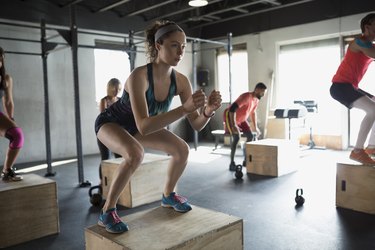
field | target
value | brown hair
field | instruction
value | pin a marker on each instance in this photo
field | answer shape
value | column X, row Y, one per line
column 367, row 20
column 152, row 52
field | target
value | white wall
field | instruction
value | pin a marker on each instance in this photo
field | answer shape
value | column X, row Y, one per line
column 27, row 74
column 263, row 62
column 28, row 84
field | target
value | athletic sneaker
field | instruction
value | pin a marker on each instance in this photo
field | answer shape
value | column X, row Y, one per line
column 232, row 166
column 179, row 203
column 10, row 176
column 112, row 222
column 362, row 157
column 370, row 151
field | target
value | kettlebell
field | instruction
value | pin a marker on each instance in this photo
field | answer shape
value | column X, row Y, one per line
column 299, row 199
column 96, row 198
column 238, row 173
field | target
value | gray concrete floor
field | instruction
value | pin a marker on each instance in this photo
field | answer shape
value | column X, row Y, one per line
column 266, row 204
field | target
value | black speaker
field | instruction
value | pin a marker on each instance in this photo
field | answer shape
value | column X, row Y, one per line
column 203, row 76
column 296, row 113
column 281, row 113
column 290, row 113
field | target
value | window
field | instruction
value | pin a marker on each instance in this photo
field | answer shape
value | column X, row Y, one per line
column 305, row 72
column 239, row 72
column 109, row 64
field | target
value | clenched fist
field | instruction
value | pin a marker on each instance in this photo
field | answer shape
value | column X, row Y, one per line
column 196, row 101
column 214, row 102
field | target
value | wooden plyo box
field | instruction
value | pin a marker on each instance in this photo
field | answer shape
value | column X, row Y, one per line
column 145, row 186
column 355, row 187
column 29, row 210
column 272, row 157
column 164, row 228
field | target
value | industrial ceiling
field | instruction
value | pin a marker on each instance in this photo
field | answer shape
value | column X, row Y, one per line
column 212, row 21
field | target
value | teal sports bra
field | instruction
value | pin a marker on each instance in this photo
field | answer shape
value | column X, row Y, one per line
column 155, row 107
column 123, row 106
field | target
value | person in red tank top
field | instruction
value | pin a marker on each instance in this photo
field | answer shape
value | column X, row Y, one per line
column 345, row 88
column 236, row 118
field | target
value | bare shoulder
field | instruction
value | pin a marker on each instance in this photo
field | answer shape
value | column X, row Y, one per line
column 139, row 69
column 137, row 77
column 360, row 45
column 354, row 47
column 182, row 82
column 138, row 72
column 181, row 77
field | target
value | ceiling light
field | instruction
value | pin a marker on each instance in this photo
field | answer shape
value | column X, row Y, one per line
column 198, row 3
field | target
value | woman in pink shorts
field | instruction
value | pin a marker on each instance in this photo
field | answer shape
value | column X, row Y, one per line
column 8, row 127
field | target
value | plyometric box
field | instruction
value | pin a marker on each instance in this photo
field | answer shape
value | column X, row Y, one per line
column 272, row 157
column 29, row 209
column 145, row 186
column 164, row 228
column 355, row 187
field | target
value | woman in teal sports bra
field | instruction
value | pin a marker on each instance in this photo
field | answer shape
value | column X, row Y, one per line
column 139, row 119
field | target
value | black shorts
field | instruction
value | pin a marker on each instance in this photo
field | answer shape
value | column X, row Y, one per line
column 346, row 94
column 126, row 121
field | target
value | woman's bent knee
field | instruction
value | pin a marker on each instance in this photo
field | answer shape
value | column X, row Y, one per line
column 182, row 152
column 15, row 137
column 134, row 157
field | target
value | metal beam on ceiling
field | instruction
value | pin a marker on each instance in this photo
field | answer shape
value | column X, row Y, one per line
column 241, row 10
column 273, row 2
column 251, row 13
column 149, row 8
column 111, row 6
column 180, row 11
column 71, row 3
column 230, row 8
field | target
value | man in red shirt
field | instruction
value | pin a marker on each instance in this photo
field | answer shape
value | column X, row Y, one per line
column 240, row 117
column 345, row 89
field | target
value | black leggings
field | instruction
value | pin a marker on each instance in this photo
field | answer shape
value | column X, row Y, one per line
column 236, row 138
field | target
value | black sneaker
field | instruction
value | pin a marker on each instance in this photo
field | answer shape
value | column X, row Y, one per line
column 10, row 176
column 232, row 166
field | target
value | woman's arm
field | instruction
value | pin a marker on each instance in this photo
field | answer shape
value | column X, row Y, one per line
column 137, row 85
column 8, row 97
column 366, row 47
column 102, row 105
column 199, row 120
